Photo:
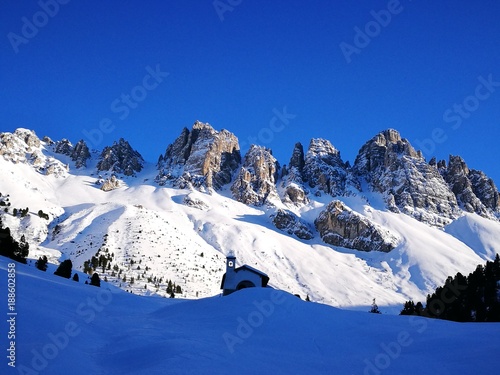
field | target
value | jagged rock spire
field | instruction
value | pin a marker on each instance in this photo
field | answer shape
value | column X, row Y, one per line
column 120, row 158
column 202, row 156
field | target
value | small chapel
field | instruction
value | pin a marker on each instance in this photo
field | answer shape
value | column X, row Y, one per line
column 242, row 277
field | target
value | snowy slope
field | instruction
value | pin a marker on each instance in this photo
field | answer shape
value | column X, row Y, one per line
column 478, row 233
column 68, row 327
column 156, row 234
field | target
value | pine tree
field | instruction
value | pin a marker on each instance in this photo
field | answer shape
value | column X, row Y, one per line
column 169, row 287
column 76, row 277
column 11, row 248
column 41, row 263
column 374, row 309
column 95, row 280
column 64, row 269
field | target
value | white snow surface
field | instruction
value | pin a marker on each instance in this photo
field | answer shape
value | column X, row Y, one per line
column 67, row 327
column 152, row 233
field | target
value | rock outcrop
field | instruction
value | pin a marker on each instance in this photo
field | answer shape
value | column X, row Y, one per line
column 292, row 224
column 200, row 157
column 474, row 191
column 295, row 194
column 324, row 169
column 256, row 180
column 111, row 183
column 391, row 166
column 63, row 147
column 23, row 146
column 195, row 201
column 340, row 226
column 120, row 158
column 79, row 153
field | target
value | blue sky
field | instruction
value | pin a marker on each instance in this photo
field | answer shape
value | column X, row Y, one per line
column 272, row 72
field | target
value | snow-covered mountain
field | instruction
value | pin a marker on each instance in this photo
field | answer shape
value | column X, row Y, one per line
column 391, row 226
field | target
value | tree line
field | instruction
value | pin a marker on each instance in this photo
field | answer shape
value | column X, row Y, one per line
column 475, row 298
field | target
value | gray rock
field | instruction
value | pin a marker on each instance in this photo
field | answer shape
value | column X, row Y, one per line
column 391, row 166
column 324, row 168
column 292, row 224
column 110, row 184
column 256, row 179
column 120, row 158
column 80, row 154
column 200, row 157
column 194, row 201
column 64, row 147
column 339, row 226
column 474, row 191
column 295, row 194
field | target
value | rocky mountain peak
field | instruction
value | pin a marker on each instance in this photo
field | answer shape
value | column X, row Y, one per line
column 297, row 159
column 202, row 156
column 475, row 192
column 79, row 153
column 388, row 137
column 324, row 168
column 390, row 165
column 382, row 150
column 24, row 146
column 120, row 158
column 256, row 179
column 63, row 147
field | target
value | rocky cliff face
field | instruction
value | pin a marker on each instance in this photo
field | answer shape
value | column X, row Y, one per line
column 120, row 158
column 23, row 146
column 200, row 157
column 292, row 183
column 292, row 224
column 324, row 168
column 79, row 153
column 391, row 166
column 474, row 191
column 340, row 226
column 321, row 169
column 256, row 180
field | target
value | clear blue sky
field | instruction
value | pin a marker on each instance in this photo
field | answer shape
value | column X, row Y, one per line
column 236, row 66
